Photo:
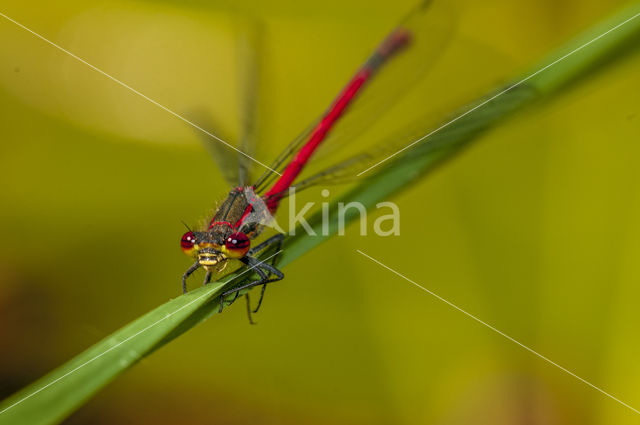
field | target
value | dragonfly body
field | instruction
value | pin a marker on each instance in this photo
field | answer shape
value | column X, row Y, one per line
column 237, row 220
column 244, row 213
column 232, row 227
column 396, row 41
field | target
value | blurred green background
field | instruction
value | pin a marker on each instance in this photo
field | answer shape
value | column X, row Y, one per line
column 534, row 229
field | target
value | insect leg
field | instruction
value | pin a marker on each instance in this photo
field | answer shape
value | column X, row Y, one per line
column 264, row 288
column 273, row 263
column 274, row 240
column 187, row 274
column 265, row 267
column 263, row 276
column 260, row 267
column 246, row 297
column 251, row 285
column 207, row 278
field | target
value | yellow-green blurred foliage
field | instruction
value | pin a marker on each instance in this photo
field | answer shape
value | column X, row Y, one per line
column 534, row 229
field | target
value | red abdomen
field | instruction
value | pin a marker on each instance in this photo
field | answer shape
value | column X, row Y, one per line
column 397, row 40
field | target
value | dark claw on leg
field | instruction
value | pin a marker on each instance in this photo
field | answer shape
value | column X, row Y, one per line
column 187, row 274
column 264, row 270
column 264, row 288
column 224, row 295
column 251, row 322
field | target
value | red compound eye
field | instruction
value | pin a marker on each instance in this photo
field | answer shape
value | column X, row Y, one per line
column 187, row 242
column 237, row 245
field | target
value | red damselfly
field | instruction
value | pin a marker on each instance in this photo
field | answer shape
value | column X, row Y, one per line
column 394, row 66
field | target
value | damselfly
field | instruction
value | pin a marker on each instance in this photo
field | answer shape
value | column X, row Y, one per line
column 395, row 65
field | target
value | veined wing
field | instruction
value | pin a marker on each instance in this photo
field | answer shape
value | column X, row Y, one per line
column 233, row 165
column 415, row 44
column 348, row 170
column 249, row 59
column 225, row 158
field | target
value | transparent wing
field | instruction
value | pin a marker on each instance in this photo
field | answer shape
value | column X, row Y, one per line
column 430, row 26
column 347, row 171
column 249, row 59
column 234, row 166
column 225, row 158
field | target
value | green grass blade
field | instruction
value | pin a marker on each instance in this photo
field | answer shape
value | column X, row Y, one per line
column 55, row 396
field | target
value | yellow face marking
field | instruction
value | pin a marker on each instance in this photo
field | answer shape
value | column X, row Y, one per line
column 207, row 245
column 211, row 259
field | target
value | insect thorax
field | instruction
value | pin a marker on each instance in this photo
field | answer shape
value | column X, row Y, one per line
column 242, row 211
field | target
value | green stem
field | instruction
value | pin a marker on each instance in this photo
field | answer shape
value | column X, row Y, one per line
column 589, row 49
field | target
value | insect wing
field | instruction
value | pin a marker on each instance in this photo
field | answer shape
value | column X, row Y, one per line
column 429, row 27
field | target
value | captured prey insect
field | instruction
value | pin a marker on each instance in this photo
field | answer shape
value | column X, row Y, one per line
column 393, row 68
